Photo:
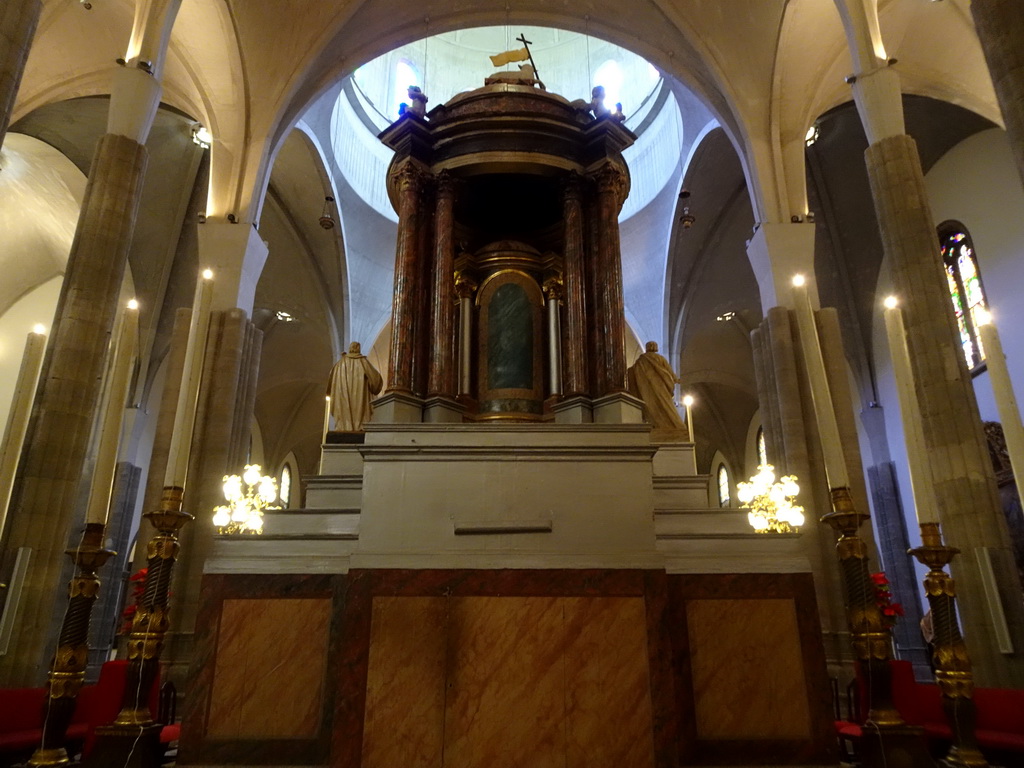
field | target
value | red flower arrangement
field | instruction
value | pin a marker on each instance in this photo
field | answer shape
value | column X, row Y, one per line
column 883, row 599
column 138, row 584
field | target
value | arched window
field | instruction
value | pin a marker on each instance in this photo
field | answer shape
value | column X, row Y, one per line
column 762, row 449
column 965, row 287
column 286, row 486
column 723, row 486
column 406, row 74
column 610, row 76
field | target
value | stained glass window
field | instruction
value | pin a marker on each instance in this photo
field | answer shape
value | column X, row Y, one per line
column 762, row 449
column 286, row 486
column 723, row 486
column 965, row 289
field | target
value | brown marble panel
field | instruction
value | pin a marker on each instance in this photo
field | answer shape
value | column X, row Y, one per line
column 607, row 683
column 271, row 657
column 462, row 589
column 820, row 746
column 748, row 676
column 405, row 685
column 506, row 698
column 197, row 747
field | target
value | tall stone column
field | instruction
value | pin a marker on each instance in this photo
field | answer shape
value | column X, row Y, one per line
column 410, row 181
column 575, row 352
column 47, row 490
column 610, row 316
column 441, row 377
column 18, row 22
column 962, row 472
column 219, row 447
column 793, row 430
column 1000, row 26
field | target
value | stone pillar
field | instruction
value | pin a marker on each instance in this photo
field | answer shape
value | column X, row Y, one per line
column 18, row 22
column 1000, row 27
column 219, row 447
column 410, row 182
column 970, row 512
column 799, row 454
column 441, row 377
column 575, row 370
column 48, row 488
column 610, row 317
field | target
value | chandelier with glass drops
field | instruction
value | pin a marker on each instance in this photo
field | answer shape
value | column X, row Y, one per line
column 771, row 503
column 244, row 511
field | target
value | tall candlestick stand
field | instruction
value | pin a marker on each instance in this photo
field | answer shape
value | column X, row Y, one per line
column 887, row 739
column 952, row 664
column 134, row 735
column 67, row 672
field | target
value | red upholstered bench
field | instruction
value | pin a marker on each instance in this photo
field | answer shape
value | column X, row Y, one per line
column 21, row 718
column 1000, row 723
column 107, row 703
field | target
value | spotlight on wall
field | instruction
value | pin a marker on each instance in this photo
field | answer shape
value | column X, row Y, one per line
column 326, row 220
column 201, row 136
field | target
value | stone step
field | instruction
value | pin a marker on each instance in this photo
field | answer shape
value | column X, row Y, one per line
column 334, row 492
column 341, row 460
column 311, row 523
column 682, row 523
column 681, row 491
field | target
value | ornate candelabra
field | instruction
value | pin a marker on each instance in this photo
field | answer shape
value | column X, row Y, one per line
column 134, row 736
column 952, row 664
column 887, row 741
column 68, row 669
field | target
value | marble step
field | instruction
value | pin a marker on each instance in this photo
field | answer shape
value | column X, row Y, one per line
column 700, row 523
column 334, row 492
column 308, row 523
column 341, row 460
column 681, row 491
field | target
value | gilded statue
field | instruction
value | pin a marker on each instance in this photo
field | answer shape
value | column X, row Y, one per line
column 352, row 384
column 652, row 380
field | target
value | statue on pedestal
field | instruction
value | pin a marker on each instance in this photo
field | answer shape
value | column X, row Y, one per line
column 352, row 384
column 652, row 380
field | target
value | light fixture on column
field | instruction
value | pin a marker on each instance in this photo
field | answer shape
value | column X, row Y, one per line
column 687, row 219
column 812, row 135
column 326, row 220
column 244, row 511
column 201, row 136
column 771, row 503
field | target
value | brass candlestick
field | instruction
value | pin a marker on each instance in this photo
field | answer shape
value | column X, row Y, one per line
column 887, row 740
column 134, row 735
column 67, row 672
column 952, row 664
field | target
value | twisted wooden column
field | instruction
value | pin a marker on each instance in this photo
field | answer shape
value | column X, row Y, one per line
column 441, row 377
column 409, row 180
column 575, row 353
column 67, row 672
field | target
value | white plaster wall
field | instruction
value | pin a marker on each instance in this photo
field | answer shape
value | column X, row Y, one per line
column 977, row 184
column 37, row 306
